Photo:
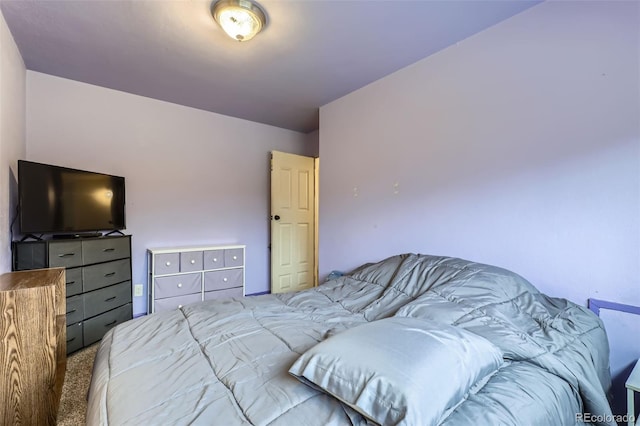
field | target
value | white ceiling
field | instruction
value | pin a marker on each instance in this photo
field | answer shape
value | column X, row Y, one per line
column 311, row 52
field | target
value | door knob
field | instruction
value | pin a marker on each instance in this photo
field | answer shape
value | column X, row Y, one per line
column 276, row 217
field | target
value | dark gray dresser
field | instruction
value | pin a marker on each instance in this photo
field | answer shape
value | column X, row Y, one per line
column 98, row 281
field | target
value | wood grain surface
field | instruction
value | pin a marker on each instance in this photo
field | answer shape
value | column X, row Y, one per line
column 32, row 346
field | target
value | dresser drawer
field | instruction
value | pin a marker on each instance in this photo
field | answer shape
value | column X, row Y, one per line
column 29, row 255
column 233, row 257
column 74, row 337
column 105, row 274
column 99, row 301
column 178, row 302
column 95, row 328
column 75, row 309
column 213, row 259
column 74, row 281
column 166, row 263
column 105, row 249
column 226, row 278
column 223, row 294
column 190, row 261
column 177, row 285
column 65, row 254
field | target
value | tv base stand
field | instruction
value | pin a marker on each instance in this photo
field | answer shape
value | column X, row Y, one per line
column 31, row 236
column 73, row 236
column 114, row 232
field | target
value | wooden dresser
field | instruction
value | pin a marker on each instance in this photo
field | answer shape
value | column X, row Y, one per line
column 32, row 346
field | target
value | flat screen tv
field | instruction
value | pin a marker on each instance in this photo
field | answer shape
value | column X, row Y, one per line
column 55, row 199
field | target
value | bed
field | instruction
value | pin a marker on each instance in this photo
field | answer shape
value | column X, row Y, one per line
column 413, row 339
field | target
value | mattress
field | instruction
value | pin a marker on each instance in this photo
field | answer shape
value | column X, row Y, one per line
column 507, row 354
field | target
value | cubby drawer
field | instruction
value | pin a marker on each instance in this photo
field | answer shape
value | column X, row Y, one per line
column 213, row 259
column 166, row 263
column 190, row 261
column 178, row 302
column 29, row 255
column 233, row 257
column 99, row 301
column 75, row 309
column 65, row 254
column 74, row 337
column 105, row 274
column 74, row 281
column 223, row 294
column 177, row 285
column 225, row 278
column 105, row 249
column 95, row 328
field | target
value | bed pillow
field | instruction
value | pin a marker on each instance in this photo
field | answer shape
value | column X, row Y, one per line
column 399, row 370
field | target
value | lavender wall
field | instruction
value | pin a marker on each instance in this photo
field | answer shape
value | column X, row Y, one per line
column 518, row 147
column 12, row 134
column 193, row 177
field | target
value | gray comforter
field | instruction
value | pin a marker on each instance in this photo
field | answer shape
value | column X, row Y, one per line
column 227, row 362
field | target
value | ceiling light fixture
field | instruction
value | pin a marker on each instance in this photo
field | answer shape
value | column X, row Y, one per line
column 240, row 19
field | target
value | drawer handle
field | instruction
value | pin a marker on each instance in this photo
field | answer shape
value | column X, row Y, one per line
column 71, row 340
column 215, row 259
column 110, row 299
column 179, row 285
column 110, row 274
column 111, row 323
column 193, row 261
column 108, row 249
column 235, row 257
column 70, row 282
column 66, row 254
column 179, row 306
column 71, row 311
column 225, row 279
column 168, row 263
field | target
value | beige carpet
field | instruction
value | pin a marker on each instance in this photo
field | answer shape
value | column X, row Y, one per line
column 73, row 403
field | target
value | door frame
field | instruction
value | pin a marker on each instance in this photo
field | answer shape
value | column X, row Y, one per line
column 316, row 231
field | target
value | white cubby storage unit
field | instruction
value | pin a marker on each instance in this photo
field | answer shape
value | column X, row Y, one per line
column 182, row 275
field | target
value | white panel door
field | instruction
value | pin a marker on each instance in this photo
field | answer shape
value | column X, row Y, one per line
column 293, row 222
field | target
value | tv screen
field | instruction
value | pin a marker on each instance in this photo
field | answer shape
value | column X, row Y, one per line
column 55, row 199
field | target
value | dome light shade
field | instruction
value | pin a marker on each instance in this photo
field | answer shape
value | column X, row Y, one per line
column 240, row 19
